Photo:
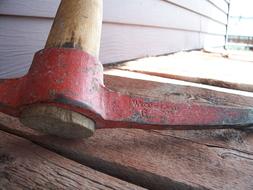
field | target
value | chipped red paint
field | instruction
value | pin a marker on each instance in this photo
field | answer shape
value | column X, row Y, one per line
column 73, row 79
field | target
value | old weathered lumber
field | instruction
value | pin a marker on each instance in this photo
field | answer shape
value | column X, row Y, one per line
column 24, row 165
column 180, row 91
column 207, row 159
column 199, row 67
column 160, row 159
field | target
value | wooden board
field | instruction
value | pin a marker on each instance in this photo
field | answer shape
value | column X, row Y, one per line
column 214, row 159
column 180, row 91
column 199, row 67
column 161, row 159
column 24, row 165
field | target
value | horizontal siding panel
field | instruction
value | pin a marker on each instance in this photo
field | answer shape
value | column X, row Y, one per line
column 202, row 7
column 134, row 42
column 123, row 9
column 36, row 8
column 20, row 37
column 131, row 29
column 221, row 4
column 136, row 13
column 158, row 14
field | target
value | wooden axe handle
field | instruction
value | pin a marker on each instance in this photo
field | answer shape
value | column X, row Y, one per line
column 78, row 25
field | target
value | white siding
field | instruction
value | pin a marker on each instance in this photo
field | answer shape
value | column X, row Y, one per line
column 131, row 29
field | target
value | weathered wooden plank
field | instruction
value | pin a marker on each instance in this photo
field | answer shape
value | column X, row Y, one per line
column 180, row 91
column 161, row 159
column 24, row 165
column 198, row 67
column 215, row 159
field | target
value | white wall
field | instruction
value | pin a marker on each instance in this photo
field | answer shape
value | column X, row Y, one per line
column 131, row 29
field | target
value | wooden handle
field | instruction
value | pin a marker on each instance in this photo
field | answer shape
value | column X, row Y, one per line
column 77, row 24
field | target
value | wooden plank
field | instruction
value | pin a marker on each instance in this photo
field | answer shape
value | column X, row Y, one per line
column 24, row 165
column 162, row 159
column 198, row 67
column 180, row 91
column 119, row 42
column 215, row 159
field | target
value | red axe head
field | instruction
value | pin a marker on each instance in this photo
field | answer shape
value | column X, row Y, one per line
column 63, row 93
column 77, row 26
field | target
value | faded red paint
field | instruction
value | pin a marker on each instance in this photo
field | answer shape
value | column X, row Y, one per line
column 73, row 79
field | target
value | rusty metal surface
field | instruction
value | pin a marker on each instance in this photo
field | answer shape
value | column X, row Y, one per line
column 73, row 79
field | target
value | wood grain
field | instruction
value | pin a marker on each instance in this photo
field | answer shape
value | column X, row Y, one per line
column 161, row 159
column 24, row 165
column 178, row 90
column 206, row 159
column 77, row 24
column 57, row 121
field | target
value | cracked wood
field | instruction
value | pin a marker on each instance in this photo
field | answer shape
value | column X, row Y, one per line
column 24, row 165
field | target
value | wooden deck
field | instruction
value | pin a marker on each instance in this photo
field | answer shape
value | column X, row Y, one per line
column 129, row 158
